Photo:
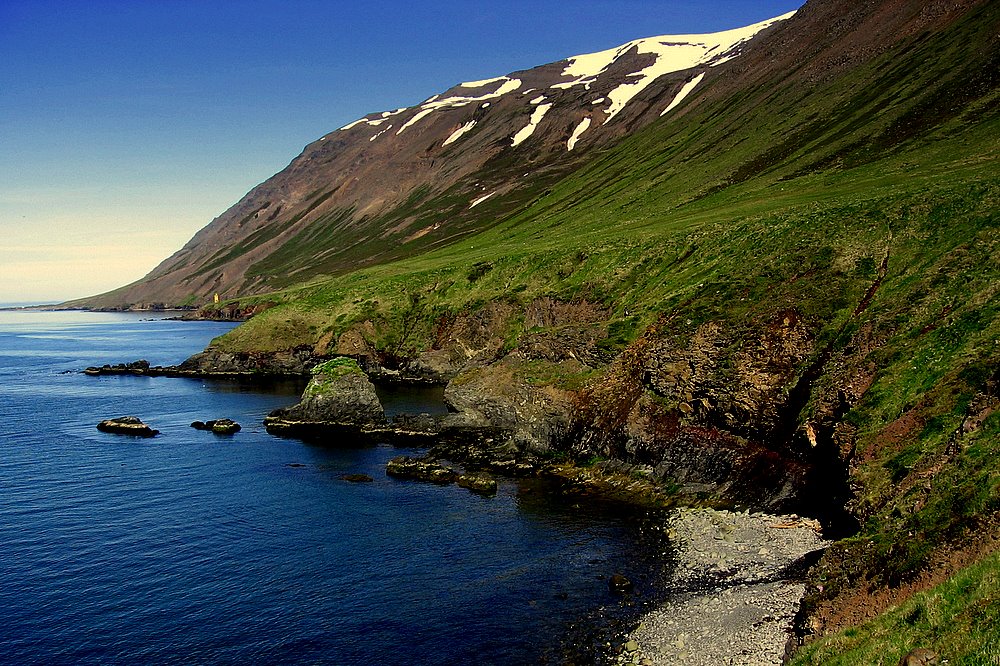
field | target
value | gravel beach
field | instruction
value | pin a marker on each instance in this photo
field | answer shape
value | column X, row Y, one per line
column 734, row 593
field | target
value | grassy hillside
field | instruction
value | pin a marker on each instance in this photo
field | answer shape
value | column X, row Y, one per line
column 870, row 206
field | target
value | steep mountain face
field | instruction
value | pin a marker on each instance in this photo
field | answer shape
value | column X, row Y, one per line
column 396, row 183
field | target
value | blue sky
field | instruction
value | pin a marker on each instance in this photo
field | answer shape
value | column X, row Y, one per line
column 126, row 126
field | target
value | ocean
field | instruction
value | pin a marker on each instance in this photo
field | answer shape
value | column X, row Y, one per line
column 194, row 548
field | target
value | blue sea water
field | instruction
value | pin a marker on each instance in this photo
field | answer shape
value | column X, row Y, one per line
column 193, row 548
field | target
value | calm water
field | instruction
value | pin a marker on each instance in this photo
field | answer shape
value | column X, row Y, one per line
column 195, row 548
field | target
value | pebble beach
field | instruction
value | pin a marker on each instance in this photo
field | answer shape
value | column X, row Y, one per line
column 734, row 593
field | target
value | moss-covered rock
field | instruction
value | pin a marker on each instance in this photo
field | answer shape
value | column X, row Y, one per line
column 339, row 395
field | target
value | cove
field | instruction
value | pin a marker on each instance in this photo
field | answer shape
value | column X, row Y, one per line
column 193, row 547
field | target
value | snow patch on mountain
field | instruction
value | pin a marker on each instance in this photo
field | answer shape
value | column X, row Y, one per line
column 354, row 124
column 457, row 134
column 375, row 136
column 509, row 85
column 480, row 84
column 566, row 85
column 580, row 129
column 481, row 200
column 683, row 92
column 420, row 114
column 536, row 117
column 665, row 55
column 673, row 53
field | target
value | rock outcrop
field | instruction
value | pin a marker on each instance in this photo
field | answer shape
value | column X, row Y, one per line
column 297, row 361
column 140, row 367
column 432, row 471
column 527, row 418
column 339, row 397
column 405, row 467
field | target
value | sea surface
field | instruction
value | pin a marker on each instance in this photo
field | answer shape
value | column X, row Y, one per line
column 194, row 548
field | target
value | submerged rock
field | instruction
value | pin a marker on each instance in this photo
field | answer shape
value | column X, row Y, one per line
column 127, row 425
column 619, row 584
column 357, row 478
column 478, row 483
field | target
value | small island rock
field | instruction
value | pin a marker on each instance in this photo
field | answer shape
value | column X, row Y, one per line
column 127, row 425
column 218, row 426
column 225, row 427
column 339, row 395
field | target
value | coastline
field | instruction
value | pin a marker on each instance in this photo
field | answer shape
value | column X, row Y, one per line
column 736, row 584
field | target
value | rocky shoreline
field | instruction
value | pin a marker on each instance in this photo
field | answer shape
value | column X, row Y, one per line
column 735, row 591
column 737, row 581
column 143, row 368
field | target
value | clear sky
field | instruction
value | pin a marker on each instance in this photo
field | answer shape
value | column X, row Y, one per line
column 127, row 125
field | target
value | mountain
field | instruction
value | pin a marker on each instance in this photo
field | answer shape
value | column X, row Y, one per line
column 780, row 294
column 397, row 183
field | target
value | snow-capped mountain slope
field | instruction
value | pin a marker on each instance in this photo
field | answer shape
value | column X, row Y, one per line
column 395, row 182
column 670, row 54
column 398, row 183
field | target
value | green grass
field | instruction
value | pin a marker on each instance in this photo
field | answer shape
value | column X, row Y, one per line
column 337, row 367
column 959, row 620
column 324, row 374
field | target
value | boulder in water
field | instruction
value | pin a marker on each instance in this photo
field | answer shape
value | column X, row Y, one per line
column 619, row 584
column 218, row 426
column 127, row 425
